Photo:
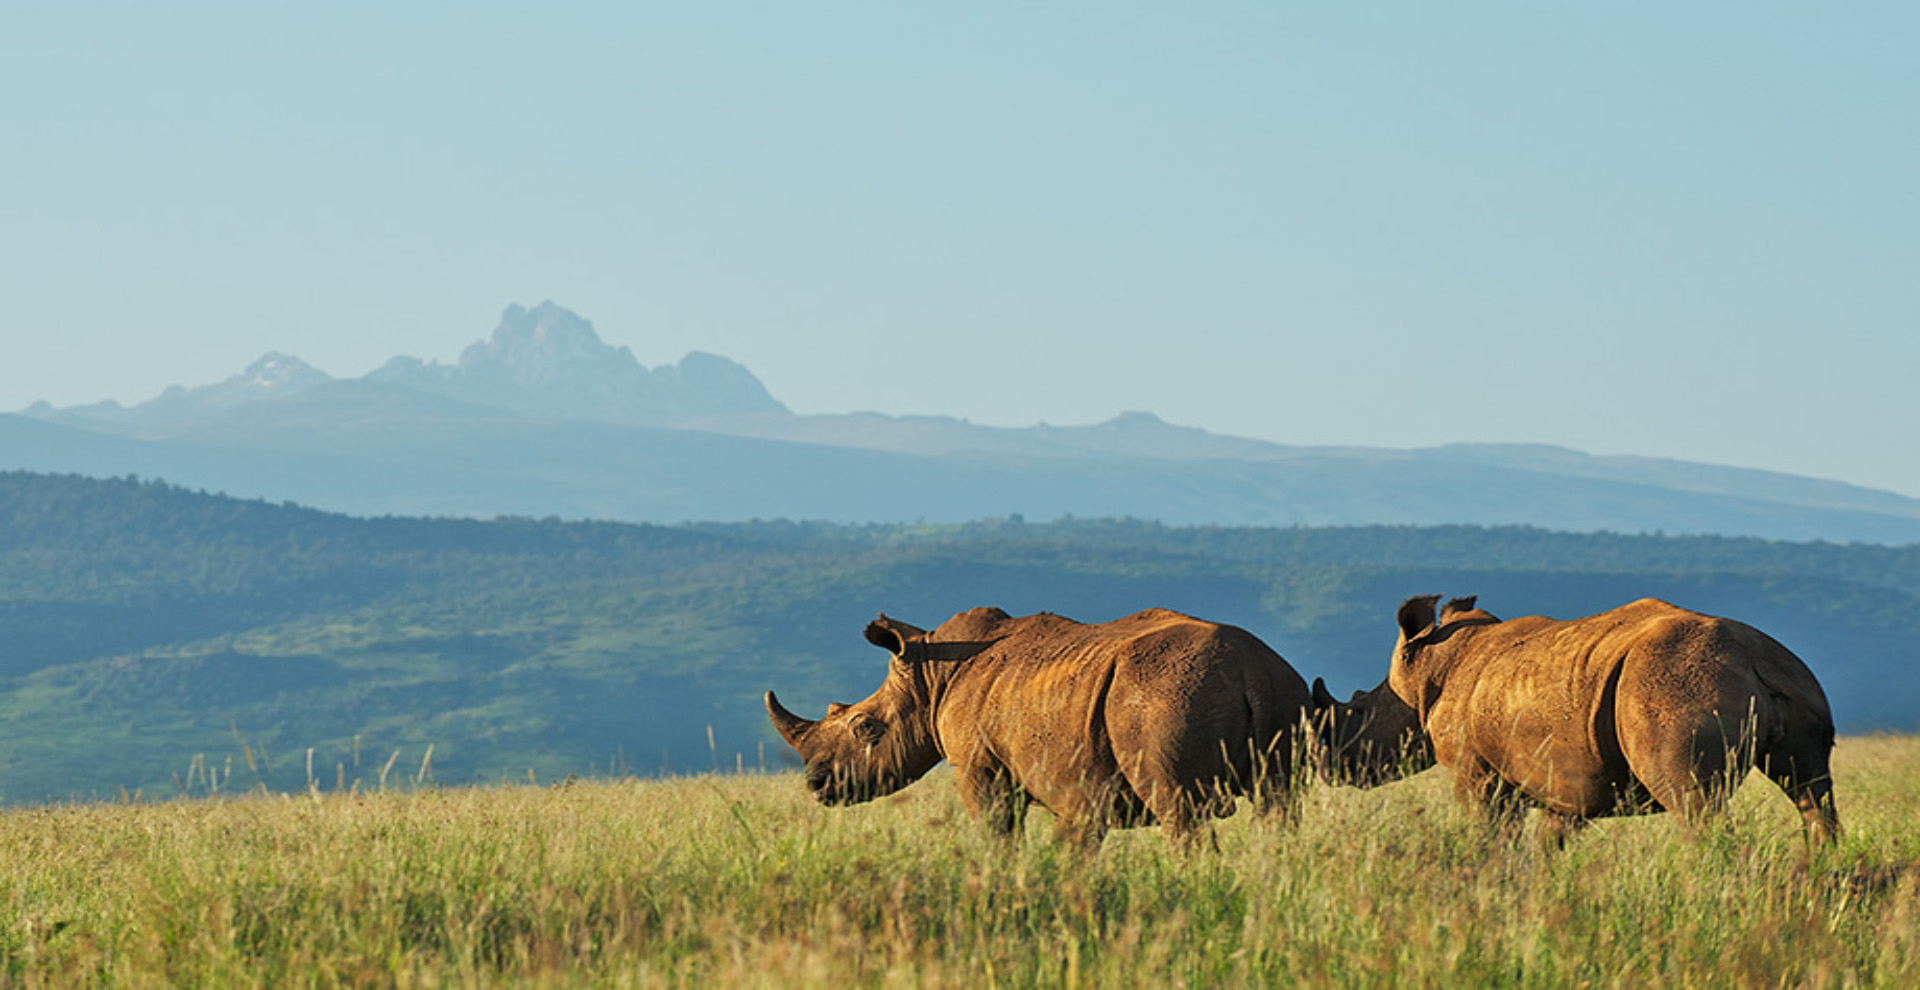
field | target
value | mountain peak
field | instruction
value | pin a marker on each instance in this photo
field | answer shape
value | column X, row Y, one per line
column 547, row 325
column 274, row 370
column 548, row 362
column 1135, row 419
column 544, row 346
column 273, row 375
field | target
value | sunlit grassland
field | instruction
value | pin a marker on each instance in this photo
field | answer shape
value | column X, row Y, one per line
column 744, row 881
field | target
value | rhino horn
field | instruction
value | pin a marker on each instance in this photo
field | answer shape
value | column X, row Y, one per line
column 790, row 726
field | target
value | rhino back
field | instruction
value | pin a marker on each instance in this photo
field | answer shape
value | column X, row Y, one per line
column 1043, row 671
column 1050, row 684
column 1570, row 709
column 1564, row 668
column 1213, row 682
column 1711, row 672
column 1534, row 697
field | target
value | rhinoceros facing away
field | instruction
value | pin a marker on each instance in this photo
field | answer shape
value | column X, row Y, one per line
column 1156, row 717
column 1648, row 707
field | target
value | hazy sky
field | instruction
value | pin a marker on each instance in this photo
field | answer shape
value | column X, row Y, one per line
column 1686, row 230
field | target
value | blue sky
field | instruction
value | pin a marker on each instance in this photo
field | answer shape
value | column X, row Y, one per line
column 1673, row 230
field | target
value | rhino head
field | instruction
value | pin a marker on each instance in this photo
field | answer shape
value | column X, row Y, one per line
column 1371, row 739
column 1425, row 630
column 874, row 747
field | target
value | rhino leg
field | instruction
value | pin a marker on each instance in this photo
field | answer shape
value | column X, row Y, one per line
column 994, row 798
column 1690, row 762
column 1082, row 813
column 1796, row 755
column 1481, row 787
column 1815, row 801
column 1556, row 827
column 1178, row 797
column 1084, row 832
column 1267, row 778
column 1805, row 778
column 1691, row 784
column 1184, row 774
column 1184, row 815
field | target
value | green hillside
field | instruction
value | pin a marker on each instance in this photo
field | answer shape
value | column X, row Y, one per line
column 161, row 640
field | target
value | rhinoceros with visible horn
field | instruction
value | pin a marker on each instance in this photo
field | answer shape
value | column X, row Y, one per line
column 1646, row 708
column 1156, row 717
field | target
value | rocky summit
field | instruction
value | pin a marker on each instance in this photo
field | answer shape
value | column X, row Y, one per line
column 547, row 362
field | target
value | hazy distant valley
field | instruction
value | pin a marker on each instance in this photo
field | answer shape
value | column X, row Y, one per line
column 156, row 636
column 543, row 418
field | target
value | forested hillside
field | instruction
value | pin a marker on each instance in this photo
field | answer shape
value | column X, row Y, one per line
column 160, row 640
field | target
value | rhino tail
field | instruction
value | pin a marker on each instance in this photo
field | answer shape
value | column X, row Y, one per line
column 1272, row 737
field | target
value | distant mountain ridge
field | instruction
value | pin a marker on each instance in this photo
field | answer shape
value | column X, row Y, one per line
column 273, row 376
column 544, row 418
column 548, row 362
column 543, row 362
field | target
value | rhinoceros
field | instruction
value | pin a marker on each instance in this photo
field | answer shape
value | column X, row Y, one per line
column 1645, row 708
column 1370, row 739
column 1156, row 717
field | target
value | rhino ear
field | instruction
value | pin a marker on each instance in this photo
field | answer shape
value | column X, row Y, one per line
column 892, row 635
column 1322, row 698
column 1416, row 615
column 881, row 634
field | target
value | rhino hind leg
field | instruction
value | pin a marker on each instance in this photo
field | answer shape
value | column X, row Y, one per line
column 1184, row 818
column 1182, row 776
column 1180, row 801
column 1689, row 767
column 1815, row 800
column 1270, row 777
column 1803, row 773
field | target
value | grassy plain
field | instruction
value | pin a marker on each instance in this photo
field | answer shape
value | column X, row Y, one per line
column 743, row 881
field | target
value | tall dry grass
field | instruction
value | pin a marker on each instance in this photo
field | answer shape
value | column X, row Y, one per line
column 743, row 881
